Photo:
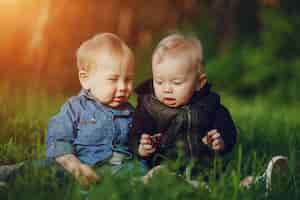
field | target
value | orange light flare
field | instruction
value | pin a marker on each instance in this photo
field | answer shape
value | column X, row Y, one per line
column 25, row 20
column 13, row 7
column 8, row 2
column 16, row 15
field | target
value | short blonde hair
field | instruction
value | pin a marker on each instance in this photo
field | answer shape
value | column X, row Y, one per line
column 107, row 43
column 180, row 45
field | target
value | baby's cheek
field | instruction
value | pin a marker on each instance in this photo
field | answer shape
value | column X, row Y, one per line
column 130, row 92
column 106, row 94
column 108, row 90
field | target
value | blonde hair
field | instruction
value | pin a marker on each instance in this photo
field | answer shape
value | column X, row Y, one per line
column 180, row 45
column 103, row 43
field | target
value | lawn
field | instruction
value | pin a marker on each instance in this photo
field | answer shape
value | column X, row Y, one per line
column 264, row 129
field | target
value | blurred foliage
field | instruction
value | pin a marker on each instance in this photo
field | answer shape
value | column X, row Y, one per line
column 251, row 47
column 267, row 64
column 264, row 62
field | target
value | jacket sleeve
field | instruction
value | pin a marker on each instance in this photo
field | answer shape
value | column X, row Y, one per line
column 204, row 111
column 141, row 123
column 225, row 126
column 61, row 133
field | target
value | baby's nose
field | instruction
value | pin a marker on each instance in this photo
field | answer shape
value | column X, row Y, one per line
column 167, row 88
column 121, row 85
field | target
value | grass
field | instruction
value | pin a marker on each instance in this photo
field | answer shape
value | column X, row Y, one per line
column 265, row 130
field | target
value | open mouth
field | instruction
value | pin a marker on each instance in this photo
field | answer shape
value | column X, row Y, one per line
column 169, row 101
column 119, row 99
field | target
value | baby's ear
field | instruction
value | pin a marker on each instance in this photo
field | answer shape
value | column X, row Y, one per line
column 83, row 78
column 202, row 80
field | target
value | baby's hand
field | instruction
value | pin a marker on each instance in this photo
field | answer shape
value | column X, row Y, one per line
column 155, row 139
column 86, row 175
column 82, row 172
column 148, row 144
column 214, row 140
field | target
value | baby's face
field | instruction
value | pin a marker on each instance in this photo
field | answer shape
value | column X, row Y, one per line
column 111, row 81
column 174, row 81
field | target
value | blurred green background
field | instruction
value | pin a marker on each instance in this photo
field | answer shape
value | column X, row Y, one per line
column 251, row 47
column 252, row 54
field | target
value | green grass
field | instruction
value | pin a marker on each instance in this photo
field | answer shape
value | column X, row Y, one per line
column 264, row 130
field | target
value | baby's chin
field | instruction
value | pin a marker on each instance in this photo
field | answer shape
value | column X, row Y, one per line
column 169, row 104
column 114, row 104
column 172, row 106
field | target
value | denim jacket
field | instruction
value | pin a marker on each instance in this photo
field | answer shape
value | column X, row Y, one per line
column 88, row 129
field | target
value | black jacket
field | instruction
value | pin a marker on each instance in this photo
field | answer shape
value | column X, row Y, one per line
column 186, row 124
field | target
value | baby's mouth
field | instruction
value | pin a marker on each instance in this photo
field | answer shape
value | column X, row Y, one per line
column 169, row 101
column 119, row 99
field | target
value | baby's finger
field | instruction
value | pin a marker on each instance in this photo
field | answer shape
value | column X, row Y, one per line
column 147, row 147
column 150, row 151
column 83, row 181
column 93, row 177
column 217, row 144
column 145, row 141
column 211, row 132
column 204, row 140
column 210, row 135
column 215, row 136
column 156, row 138
column 157, row 135
column 145, row 136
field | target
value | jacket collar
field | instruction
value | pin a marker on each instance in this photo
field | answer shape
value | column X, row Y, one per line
column 87, row 94
column 125, row 110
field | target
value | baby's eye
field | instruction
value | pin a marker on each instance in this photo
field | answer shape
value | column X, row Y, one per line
column 112, row 79
column 177, row 82
column 158, row 82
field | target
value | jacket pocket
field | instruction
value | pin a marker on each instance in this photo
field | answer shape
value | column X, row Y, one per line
column 94, row 131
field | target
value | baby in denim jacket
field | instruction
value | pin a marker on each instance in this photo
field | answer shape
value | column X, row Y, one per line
column 93, row 127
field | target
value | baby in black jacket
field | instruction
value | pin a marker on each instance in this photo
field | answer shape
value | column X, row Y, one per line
column 177, row 109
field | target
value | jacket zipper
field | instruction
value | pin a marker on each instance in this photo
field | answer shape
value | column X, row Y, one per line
column 188, row 169
column 189, row 131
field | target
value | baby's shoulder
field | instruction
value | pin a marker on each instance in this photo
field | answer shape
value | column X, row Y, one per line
column 75, row 101
column 75, row 105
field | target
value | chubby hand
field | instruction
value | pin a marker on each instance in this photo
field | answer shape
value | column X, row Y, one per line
column 214, row 140
column 148, row 144
column 86, row 175
column 82, row 172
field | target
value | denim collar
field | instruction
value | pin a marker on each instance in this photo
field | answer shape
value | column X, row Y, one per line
column 86, row 93
column 125, row 110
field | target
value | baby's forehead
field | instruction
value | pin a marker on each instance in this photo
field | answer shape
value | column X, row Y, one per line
column 110, row 57
column 182, row 58
column 107, row 56
column 181, row 50
column 109, row 62
column 174, row 66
